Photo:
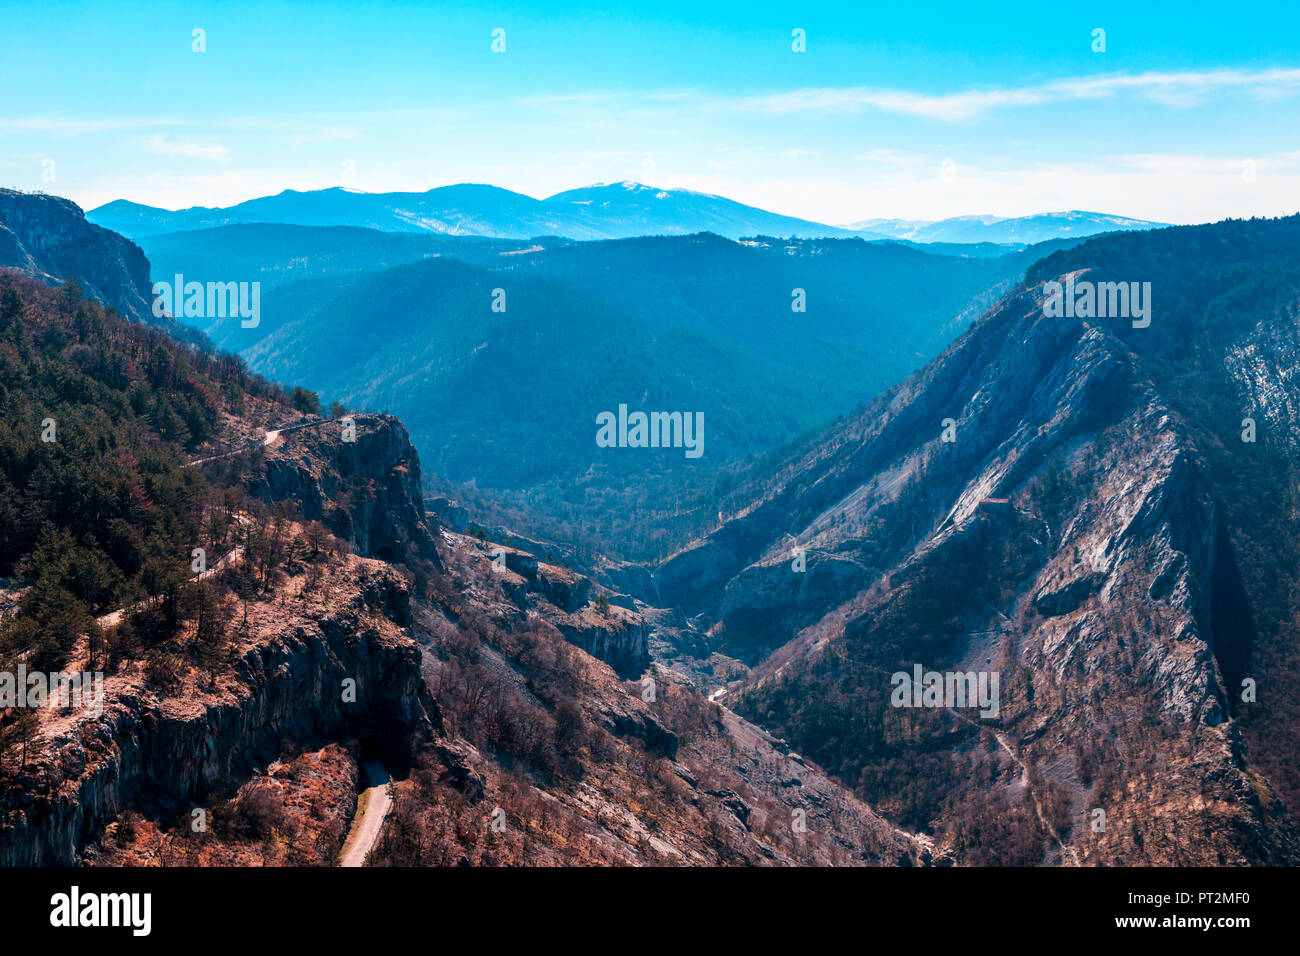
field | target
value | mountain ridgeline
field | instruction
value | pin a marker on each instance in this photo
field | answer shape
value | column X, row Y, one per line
column 999, row 229
column 613, row 211
column 1102, row 512
column 48, row 238
column 604, row 211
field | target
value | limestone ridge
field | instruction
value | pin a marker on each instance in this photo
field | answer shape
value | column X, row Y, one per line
column 48, row 238
column 1072, row 526
column 366, row 491
column 567, row 600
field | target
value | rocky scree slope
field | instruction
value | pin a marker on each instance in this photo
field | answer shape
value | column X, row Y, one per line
column 553, row 756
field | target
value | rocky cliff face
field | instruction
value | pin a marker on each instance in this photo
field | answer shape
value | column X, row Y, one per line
column 618, row 636
column 1037, row 501
column 48, row 238
column 570, row 602
column 366, row 491
column 288, row 684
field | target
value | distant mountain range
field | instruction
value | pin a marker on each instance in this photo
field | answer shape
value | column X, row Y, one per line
column 1022, row 230
column 617, row 211
column 509, row 399
column 608, row 211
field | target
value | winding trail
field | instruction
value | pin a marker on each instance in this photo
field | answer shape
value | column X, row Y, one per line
column 114, row 618
column 269, row 438
column 1069, row 856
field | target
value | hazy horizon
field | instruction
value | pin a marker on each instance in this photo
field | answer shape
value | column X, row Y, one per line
column 846, row 224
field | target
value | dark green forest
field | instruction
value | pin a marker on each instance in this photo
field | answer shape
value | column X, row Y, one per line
column 98, row 511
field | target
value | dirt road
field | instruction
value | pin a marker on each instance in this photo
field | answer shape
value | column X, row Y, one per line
column 372, row 807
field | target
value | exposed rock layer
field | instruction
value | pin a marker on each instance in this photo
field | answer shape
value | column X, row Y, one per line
column 286, row 687
column 48, row 238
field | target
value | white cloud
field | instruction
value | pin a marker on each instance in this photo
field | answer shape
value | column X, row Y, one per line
column 161, row 144
column 894, row 157
column 1182, row 89
column 1188, row 163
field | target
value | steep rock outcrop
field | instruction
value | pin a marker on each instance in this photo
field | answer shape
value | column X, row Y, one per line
column 366, row 491
column 618, row 637
column 286, row 686
column 580, row 610
column 48, row 238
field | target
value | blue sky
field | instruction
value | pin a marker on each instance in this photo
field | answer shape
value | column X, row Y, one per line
column 908, row 110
